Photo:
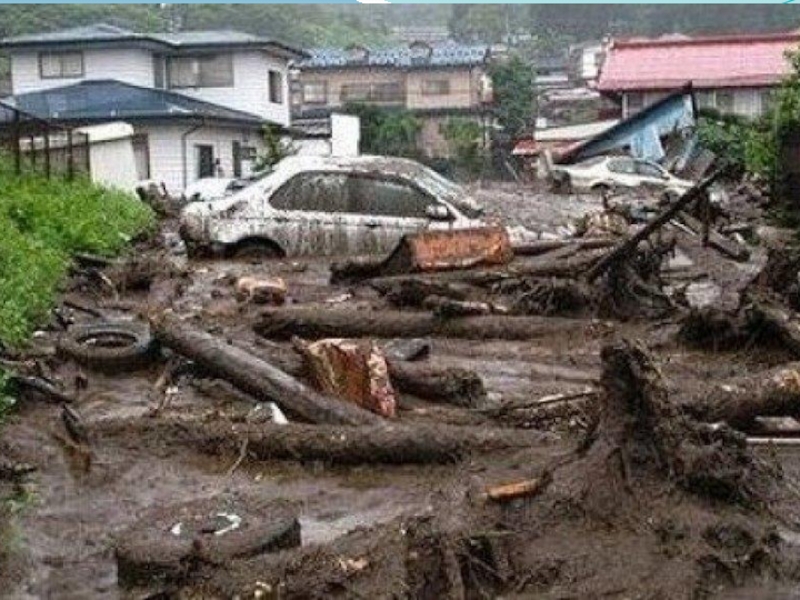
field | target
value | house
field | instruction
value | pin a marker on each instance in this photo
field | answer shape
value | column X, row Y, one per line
column 584, row 62
column 434, row 81
column 731, row 74
column 197, row 100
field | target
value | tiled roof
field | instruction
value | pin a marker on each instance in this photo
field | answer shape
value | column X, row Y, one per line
column 110, row 99
column 708, row 62
column 441, row 55
column 104, row 33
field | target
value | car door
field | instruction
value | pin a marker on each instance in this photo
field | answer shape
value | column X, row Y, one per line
column 386, row 208
column 308, row 215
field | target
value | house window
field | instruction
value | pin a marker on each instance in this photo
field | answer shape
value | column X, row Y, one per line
column 205, row 161
column 275, row 87
column 435, row 87
column 158, row 72
column 212, row 70
column 705, row 99
column 635, row 102
column 57, row 65
column 354, row 92
column 724, row 101
column 315, row 92
column 387, row 92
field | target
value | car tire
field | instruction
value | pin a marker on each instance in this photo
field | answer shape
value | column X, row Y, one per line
column 252, row 249
column 109, row 346
column 602, row 189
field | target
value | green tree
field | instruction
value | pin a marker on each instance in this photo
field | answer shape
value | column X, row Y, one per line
column 387, row 131
column 464, row 138
column 276, row 148
column 514, row 99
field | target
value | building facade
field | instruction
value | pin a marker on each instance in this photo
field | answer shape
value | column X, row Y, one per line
column 436, row 82
column 731, row 74
column 197, row 100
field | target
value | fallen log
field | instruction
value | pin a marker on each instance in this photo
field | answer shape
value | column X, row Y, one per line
column 378, row 444
column 255, row 376
column 739, row 402
column 316, row 323
column 719, row 242
column 781, row 323
column 627, row 247
column 538, row 247
column 451, row 385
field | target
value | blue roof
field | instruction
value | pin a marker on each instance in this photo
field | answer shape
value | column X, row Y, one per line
column 110, row 99
column 440, row 55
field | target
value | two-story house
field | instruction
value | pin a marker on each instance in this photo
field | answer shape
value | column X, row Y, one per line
column 197, row 100
column 733, row 74
column 434, row 81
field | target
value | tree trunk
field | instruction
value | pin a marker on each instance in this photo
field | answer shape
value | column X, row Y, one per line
column 318, row 323
column 379, row 444
column 255, row 376
column 739, row 402
column 538, row 247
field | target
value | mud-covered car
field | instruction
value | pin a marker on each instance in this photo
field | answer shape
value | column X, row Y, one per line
column 212, row 188
column 313, row 205
column 603, row 174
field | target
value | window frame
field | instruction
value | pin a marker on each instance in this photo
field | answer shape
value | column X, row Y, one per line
column 199, row 59
column 324, row 95
column 61, row 54
column 275, row 85
column 429, row 87
column 293, row 179
column 397, row 181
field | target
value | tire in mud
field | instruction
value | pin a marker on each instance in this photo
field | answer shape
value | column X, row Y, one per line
column 109, row 346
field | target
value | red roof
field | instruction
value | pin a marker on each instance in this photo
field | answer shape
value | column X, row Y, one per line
column 708, row 62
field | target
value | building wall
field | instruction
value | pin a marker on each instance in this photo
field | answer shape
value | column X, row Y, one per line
column 128, row 65
column 747, row 102
column 167, row 153
column 112, row 164
column 250, row 91
column 335, row 79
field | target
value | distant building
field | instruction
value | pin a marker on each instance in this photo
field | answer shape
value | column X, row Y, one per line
column 431, row 34
column 435, row 81
column 584, row 62
column 732, row 74
column 197, row 100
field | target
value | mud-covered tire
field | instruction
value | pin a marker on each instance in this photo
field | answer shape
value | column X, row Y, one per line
column 255, row 249
column 109, row 346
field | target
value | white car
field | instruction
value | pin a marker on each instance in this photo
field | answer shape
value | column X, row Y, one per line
column 212, row 188
column 313, row 205
column 603, row 174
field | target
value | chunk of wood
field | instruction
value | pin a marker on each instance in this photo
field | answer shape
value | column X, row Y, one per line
column 779, row 322
column 719, row 242
column 538, row 247
column 526, row 488
column 316, row 323
column 255, row 376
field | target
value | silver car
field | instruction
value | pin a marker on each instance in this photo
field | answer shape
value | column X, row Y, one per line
column 312, row 205
column 603, row 174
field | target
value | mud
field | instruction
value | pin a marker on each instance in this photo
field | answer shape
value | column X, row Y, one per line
column 618, row 523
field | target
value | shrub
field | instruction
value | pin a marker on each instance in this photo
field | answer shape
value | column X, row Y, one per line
column 42, row 224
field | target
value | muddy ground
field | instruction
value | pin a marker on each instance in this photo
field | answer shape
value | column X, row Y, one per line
column 384, row 531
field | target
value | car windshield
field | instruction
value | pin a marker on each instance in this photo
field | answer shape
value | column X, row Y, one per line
column 591, row 162
column 450, row 191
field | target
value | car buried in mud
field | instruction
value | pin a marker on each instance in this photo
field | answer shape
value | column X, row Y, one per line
column 313, row 205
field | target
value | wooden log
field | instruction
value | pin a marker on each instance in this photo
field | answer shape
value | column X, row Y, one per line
column 537, row 247
column 451, row 385
column 739, row 402
column 372, row 444
column 255, row 376
column 627, row 247
column 719, row 242
column 315, row 323
column 779, row 322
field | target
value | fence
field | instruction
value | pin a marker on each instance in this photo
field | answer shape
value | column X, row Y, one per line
column 38, row 145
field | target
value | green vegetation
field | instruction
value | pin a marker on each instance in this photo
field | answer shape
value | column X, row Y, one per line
column 747, row 145
column 464, row 138
column 388, row 131
column 276, row 148
column 512, row 87
column 42, row 223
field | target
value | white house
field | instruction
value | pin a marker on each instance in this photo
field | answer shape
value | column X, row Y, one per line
column 197, row 100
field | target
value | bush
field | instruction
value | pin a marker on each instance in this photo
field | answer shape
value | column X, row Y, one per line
column 749, row 146
column 42, row 224
column 387, row 131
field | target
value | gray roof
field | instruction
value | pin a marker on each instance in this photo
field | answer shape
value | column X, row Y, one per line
column 105, row 100
column 441, row 55
column 102, row 33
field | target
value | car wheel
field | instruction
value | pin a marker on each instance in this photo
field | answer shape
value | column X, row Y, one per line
column 252, row 249
column 602, row 189
column 109, row 346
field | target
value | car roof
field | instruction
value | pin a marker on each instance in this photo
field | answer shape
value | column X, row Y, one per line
column 365, row 163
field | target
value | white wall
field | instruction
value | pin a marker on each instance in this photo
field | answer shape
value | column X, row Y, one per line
column 129, row 65
column 345, row 135
column 111, row 158
column 166, row 151
column 250, row 91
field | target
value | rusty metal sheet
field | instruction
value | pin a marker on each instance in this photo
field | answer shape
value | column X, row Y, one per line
column 451, row 249
column 353, row 370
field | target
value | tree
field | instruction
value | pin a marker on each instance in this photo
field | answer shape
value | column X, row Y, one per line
column 464, row 140
column 276, row 148
column 514, row 99
column 388, row 131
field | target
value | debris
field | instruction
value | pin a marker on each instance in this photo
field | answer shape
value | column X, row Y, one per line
column 407, row 349
column 447, row 308
column 255, row 376
column 353, row 370
column 518, row 489
column 537, row 247
column 453, row 385
column 109, row 346
column 726, row 246
column 45, row 389
column 313, row 323
column 270, row 290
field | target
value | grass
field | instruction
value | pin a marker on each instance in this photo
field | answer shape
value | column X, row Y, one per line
column 43, row 223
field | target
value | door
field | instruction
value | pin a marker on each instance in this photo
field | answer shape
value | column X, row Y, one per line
column 309, row 215
column 386, row 208
column 205, row 161
column 141, row 156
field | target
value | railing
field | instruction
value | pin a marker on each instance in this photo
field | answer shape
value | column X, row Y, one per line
column 38, row 145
